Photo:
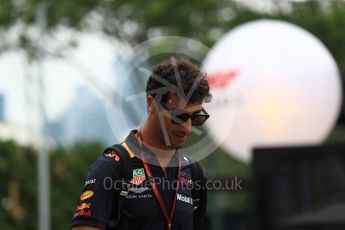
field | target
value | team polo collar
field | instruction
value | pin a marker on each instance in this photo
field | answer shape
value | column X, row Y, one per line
column 133, row 145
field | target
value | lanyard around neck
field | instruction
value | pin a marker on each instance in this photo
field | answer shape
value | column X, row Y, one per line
column 154, row 185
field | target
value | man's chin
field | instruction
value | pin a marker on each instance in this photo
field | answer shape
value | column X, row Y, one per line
column 177, row 145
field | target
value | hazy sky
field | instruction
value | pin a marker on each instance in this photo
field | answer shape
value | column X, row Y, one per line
column 94, row 57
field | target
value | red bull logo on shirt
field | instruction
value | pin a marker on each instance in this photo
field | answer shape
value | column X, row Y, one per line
column 83, row 213
column 83, row 206
column 83, row 210
column 114, row 155
column 187, row 180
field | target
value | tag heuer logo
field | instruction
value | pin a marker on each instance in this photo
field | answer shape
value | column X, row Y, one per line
column 138, row 176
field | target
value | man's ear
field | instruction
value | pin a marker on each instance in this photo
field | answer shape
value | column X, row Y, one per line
column 151, row 105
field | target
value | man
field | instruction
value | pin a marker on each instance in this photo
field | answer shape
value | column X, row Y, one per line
column 175, row 92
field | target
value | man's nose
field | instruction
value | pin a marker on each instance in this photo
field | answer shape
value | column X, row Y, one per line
column 187, row 126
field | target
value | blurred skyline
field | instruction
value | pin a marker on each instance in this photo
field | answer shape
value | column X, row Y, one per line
column 94, row 56
column 84, row 75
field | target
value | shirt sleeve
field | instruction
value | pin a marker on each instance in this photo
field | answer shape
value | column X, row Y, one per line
column 97, row 203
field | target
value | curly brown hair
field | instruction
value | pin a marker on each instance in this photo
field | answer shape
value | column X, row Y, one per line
column 178, row 76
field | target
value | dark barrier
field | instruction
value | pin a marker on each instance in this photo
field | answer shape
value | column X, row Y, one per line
column 300, row 187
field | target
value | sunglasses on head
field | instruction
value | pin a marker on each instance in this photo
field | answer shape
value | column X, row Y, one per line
column 180, row 116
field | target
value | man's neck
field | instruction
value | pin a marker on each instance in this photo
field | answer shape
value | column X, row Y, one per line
column 150, row 140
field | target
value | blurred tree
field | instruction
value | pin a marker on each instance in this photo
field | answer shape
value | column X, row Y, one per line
column 326, row 20
column 129, row 21
column 135, row 21
column 69, row 168
column 18, row 187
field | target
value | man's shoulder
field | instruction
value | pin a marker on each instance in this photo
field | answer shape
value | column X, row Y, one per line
column 109, row 159
column 114, row 157
column 112, row 154
column 187, row 160
column 196, row 168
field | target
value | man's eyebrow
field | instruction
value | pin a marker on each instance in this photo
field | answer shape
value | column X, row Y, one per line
column 197, row 111
column 196, row 108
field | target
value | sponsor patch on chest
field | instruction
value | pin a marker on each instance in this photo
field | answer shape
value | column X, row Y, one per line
column 138, row 176
column 185, row 199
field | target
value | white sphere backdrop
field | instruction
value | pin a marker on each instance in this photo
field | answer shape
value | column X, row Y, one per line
column 273, row 83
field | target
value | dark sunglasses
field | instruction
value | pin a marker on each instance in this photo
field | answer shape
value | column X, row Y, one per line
column 180, row 116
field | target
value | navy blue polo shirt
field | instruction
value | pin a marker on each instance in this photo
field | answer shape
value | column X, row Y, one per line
column 97, row 206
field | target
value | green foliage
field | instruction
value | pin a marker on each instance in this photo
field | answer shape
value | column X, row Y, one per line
column 6, row 13
column 326, row 23
column 68, row 173
column 18, row 188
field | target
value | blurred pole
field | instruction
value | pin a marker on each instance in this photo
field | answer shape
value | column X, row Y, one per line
column 43, row 157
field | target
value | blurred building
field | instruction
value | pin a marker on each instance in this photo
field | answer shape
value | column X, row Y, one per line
column 15, row 132
column 76, row 101
column 104, row 116
column 84, row 120
column 21, row 135
column 2, row 108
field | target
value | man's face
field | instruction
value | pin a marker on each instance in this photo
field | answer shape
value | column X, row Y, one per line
column 175, row 134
